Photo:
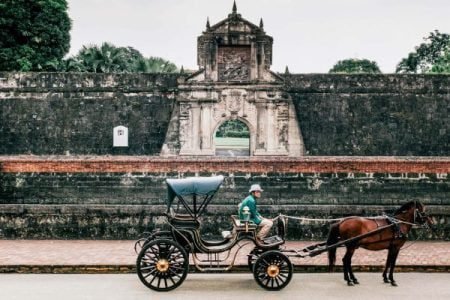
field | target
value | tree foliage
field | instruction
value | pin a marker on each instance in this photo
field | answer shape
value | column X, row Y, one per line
column 430, row 56
column 34, row 34
column 233, row 128
column 108, row 58
column 159, row 65
column 442, row 64
column 353, row 65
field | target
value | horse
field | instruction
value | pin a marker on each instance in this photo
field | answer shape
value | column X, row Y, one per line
column 389, row 233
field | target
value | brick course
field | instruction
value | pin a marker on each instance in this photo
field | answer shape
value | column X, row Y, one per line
column 114, row 197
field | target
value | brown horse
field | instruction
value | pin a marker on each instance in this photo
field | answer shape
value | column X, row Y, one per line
column 390, row 233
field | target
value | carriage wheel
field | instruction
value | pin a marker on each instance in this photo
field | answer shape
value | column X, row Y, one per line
column 140, row 243
column 162, row 265
column 253, row 256
column 273, row 270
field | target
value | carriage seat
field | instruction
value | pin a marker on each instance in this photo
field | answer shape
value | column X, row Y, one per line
column 182, row 220
column 238, row 225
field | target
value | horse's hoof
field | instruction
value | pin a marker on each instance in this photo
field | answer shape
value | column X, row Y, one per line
column 355, row 281
column 349, row 283
column 393, row 283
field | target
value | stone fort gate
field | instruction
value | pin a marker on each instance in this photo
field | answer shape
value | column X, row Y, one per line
column 234, row 81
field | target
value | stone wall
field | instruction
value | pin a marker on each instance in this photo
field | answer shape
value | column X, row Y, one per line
column 373, row 114
column 119, row 197
column 56, row 113
column 107, row 197
column 60, row 113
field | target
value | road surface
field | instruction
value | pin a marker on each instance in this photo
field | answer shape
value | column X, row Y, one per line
column 222, row 286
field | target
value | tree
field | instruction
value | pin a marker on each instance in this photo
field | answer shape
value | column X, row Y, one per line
column 433, row 52
column 442, row 64
column 104, row 59
column 158, row 65
column 233, row 128
column 353, row 65
column 34, row 34
column 111, row 59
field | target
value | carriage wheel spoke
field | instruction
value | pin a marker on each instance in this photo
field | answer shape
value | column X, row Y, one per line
column 273, row 270
column 150, row 273
column 162, row 265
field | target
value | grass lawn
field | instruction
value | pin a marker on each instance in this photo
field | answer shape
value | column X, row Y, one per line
column 232, row 143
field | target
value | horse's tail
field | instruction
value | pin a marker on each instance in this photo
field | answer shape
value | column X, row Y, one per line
column 333, row 238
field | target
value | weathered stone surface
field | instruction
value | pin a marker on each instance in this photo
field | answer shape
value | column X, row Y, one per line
column 111, row 205
column 59, row 113
column 50, row 113
column 373, row 114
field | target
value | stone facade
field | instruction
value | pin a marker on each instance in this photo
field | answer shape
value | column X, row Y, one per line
column 62, row 177
column 75, row 113
column 120, row 197
column 234, row 82
column 372, row 114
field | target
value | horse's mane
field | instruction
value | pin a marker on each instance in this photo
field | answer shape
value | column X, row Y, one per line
column 407, row 206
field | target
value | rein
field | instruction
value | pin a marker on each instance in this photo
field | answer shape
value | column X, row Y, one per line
column 340, row 219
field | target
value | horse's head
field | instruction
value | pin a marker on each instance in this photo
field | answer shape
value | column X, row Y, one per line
column 414, row 211
column 420, row 216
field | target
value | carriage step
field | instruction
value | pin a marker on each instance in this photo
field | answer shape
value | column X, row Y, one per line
column 272, row 240
column 207, row 269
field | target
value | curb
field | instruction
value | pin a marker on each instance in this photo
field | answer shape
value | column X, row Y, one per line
column 127, row 269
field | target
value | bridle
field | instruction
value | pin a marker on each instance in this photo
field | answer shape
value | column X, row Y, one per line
column 421, row 217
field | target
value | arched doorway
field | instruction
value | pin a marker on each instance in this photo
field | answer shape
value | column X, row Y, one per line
column 232, row 138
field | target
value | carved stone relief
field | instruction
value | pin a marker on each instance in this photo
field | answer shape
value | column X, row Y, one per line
column 234, row 63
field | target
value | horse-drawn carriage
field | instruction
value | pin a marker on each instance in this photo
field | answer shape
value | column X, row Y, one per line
column 164, row 255
column 163, row 261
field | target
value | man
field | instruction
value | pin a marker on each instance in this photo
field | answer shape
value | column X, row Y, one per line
column 264, row 225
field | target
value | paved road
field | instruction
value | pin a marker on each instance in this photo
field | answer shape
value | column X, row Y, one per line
column 222, row 286
column 232, row 152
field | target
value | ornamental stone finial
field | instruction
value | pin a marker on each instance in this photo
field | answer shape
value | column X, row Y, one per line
column 234, row 7
column 207, row 24
column 261, row 24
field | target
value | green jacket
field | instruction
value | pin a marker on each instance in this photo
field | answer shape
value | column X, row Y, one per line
column 250, row 201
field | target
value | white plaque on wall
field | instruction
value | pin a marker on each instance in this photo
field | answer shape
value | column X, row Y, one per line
column 120, row 136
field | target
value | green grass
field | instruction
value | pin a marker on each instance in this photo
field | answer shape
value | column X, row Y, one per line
column 232, row 143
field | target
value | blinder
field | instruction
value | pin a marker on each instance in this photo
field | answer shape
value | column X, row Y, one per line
column 420, row 216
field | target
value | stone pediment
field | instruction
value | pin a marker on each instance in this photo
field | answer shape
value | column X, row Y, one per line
column 235, row 24
column 234, row 50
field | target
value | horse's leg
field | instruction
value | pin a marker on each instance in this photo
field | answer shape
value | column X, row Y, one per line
column 347, row 265
column 391, row 271
column 350, row 271
column 388, row 264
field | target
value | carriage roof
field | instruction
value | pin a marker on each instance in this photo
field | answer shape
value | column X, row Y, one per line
column 204, row 187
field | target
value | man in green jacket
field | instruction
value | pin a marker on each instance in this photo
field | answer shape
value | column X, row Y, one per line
column 264, row 225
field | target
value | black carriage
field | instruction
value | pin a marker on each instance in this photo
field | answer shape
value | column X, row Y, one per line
column 164, row 255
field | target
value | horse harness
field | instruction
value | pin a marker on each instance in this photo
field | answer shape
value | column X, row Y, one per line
column 396, row 230
column 392, row 223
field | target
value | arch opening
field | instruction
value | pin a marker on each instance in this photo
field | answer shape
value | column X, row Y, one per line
column 232, row 138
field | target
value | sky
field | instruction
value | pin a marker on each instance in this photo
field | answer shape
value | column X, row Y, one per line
column 310, row 36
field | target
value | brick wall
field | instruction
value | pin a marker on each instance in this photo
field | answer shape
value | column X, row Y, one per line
column 118, row 197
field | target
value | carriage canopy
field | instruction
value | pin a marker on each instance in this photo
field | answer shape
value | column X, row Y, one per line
column 194, row 193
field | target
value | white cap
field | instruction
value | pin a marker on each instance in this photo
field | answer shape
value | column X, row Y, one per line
column 255, row 187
